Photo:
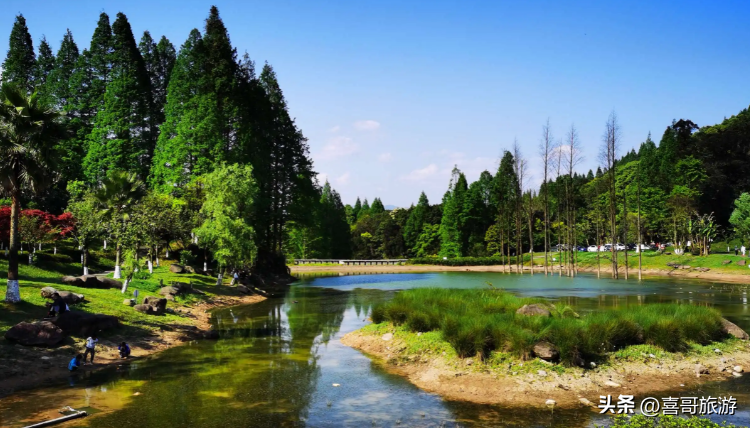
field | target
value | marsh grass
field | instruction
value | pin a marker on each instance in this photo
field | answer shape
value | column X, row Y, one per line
column 480, row 322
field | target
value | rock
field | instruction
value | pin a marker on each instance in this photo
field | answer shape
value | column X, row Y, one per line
column 550, row 403
column 146, row 309
column 71, row 298
column 541, row 373
column 175, row 268
column 592, row 365
column 169, row 291
column 534, row 309
column 387, row 336
column 158, row 305
column 336, row 384
column 546, row 351
column 47, row 292
column 685, row 267
column 39, row 333
column 73, row 280
column 128, row 302
column 702, row 269
column 469, row 361
column 243, row 289
column 735, row 374
column 741, row 262
column 699, row 370
column 109, row 282
column 189, row 269
column 726, row 262
column 673, row 264
column 585, row 402
column 732, row 329
column 738, row 369
column 717, row 350
column 612, row 384
column 84, row 324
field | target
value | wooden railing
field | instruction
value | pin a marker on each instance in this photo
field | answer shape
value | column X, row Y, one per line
column 347, row 262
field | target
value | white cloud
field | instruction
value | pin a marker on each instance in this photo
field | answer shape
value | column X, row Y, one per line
column 343, row 179
column 338, row 147
column 335, row 129
column 421, row 174
column 322, row 178
column 366, row 125
column 385, row 157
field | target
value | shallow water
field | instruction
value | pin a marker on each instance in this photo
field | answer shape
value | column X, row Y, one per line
column 277, row 362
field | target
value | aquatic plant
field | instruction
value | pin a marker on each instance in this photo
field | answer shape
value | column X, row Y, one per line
column 478, row 322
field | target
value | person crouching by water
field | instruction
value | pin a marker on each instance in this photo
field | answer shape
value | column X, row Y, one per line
column 75, row 363
column 124, row 350
column 90, row 348
column 58, row 306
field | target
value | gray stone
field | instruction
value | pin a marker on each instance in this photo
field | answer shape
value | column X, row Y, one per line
column 39, row 333
column 84, row 324
column 159, row 304
column 738, row 369
column 546, row 351
column 726, row 262
column 741, row 262
column 534, row 309
column 387, row 336
column 175, row 268
column 732, row 329
column 128, row 302
column 541, row 373
column 550, row 403
column 585, row 402
column 611, row 384
column 71, row 298
column 700, row 369
column 146, row 309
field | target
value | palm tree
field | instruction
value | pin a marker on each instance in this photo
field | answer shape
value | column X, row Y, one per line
column 29, row 130
column 117, row 194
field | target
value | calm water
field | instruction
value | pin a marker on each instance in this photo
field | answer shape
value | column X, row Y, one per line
column 277, row 362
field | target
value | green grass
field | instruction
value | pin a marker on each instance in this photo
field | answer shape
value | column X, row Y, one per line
column 654, row 260
column 640, row 421
column 480, row 322
column 49, row 270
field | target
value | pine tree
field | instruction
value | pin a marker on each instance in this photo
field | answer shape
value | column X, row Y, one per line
column 415, row 223
column 357, row 209
column 63, row 93
column 159, row 60
column 59, row 77
column 121, row 138
column 333, row 228
column 365, row 210
column 45, row 64
column 20, row 63
column 451, row 238
column 377, row 207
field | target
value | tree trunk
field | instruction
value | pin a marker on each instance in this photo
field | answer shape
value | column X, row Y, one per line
column 117, row 274
column 625, row 228
column 85, row 260
column 150, row 267
column 13, row 293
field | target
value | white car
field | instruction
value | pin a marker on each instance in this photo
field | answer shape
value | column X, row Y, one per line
column 592, row 249
column 619, row 247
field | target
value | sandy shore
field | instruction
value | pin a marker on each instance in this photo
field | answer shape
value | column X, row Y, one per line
column 33, row 367
column 469, row 380
column 673, row 273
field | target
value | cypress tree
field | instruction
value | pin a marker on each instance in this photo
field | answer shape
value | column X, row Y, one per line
column 451, row 236
column 59, row 77
column 365, row 210
column 45, row 64
column 178, row 149
column 377, row 206
column 357, row 209
column 416, row 221
column 159, row 61
column 121, row 138
column 20, row 63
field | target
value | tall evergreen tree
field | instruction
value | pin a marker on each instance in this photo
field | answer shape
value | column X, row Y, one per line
column 20, row 63
column 159, row 60
column 45, row 64
column 121, row 138
column 415, row 223
column 377, row 206
column 63, row 93
column 333, row 229
column 59, row 77
column 357, row 209
column 451, row 236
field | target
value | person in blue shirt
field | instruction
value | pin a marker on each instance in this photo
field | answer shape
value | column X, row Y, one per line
column 75, row 363
column 124, row 350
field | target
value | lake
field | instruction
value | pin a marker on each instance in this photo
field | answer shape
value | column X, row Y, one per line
column 278, row 360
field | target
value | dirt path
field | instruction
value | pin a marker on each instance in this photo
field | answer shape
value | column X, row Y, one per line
column 674, row 273
column 468, row 380
column 34, row 367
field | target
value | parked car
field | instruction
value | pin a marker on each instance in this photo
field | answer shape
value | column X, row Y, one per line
column 646, row 247
column 581, row 248
column 619, row 247
column 592, row 249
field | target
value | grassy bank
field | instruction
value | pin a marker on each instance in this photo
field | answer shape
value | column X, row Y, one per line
column 484, row 322
column 640, row 421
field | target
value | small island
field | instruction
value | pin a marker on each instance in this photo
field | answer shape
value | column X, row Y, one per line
column 489, row 346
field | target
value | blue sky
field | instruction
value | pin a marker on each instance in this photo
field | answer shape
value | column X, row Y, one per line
column 392, row 94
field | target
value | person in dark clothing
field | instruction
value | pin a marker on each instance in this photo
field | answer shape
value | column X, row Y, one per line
column 124, row 350
column 75, row 363
column 58, row 306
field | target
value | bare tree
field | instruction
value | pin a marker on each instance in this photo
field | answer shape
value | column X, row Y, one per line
column 545, row 151
column 610, row 147
column 520, row 170
column 573, row 158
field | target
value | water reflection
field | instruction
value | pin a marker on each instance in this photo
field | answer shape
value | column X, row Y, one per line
column 277, row 362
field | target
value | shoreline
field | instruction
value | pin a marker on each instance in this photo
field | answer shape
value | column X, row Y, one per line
column 37, row 367
column 475, row 382
column 671, row 273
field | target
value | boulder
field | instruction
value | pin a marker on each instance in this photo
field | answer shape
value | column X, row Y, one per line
column 146, row 309
column 534, row 309
column 732, row 329
column 189, row 269
column 128, row 302
column 39, row 333
column 546, row 351
column 726, row 262
column 109, row 282
column 169, row 291
column 73, row 280
column 741, row 262
column 47, row 292
column 702, row 269
column 175, row 268
column 243, row 289
column 85, row 324
column 71, row 298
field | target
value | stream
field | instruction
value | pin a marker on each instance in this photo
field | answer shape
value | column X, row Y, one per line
column 277, row 362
